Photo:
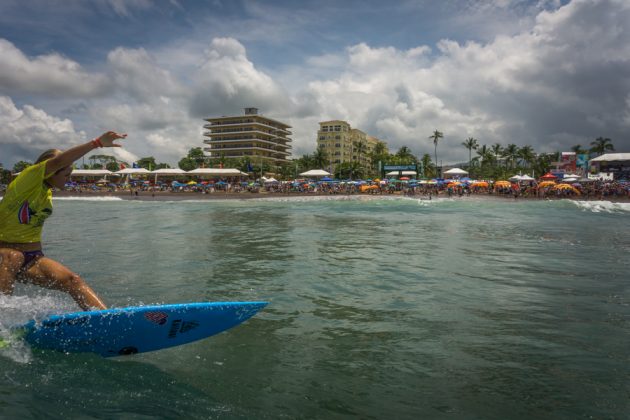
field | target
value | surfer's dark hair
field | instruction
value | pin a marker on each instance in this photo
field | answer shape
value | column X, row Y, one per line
column 48, row 154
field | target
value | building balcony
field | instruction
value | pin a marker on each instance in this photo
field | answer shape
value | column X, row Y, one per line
column 245, row 148
column 248, row 124
column 248, row 140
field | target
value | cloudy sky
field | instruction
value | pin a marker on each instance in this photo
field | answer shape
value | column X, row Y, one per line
column 546, row 73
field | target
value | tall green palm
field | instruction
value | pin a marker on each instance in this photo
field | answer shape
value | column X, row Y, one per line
column 484, row 154
column 404, row 155
column 497, row 151
column 578, row 149
column 527, row 154
column 470, row 143
column 426, row 164
column 602, row 145
column 436, row 136
column 511, row 154
column 320, row 159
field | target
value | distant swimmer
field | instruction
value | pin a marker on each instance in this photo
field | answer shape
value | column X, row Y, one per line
column 26, row 205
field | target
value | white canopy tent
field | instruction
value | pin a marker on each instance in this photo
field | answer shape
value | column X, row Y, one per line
column 517, row 178
column 316, row 172
column 217, row 172
column 90, row 172
column 456, row 171
column 168, row 172
column 133, row 171
column 611, row 157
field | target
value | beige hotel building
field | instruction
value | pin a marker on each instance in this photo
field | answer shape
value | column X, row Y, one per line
column 341, row 143
column 248, row 136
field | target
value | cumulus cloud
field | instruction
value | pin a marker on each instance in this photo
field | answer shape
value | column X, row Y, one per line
column 228, row 81
column 563, row 82
column 26, row 132
column 136, row 73
column 48, row 75
column 559, row 79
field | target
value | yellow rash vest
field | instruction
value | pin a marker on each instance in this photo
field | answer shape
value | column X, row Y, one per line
column 26, row 204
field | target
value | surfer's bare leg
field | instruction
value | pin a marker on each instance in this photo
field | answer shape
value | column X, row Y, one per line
column 10, row 263
column 53, row 275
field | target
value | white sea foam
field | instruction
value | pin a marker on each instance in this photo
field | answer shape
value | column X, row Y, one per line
column 87, row 198
column 602, row 206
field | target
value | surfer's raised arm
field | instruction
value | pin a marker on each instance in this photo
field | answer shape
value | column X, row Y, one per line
column 68, row 157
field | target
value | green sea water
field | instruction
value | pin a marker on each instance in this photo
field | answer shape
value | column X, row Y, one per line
column 378, row 308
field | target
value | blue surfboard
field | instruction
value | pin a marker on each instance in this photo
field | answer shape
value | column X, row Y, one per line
column 122, row 331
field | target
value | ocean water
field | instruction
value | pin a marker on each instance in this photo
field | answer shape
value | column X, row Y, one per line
column 384, row 308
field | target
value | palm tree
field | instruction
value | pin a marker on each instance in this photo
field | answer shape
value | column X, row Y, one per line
column 602, row 145
column 511, row 154
column 436, row 136
column 578, row 149
column 320, row 159
column 405, row 156
column 497, row 150
column 527, row 154
column 485, row 155
column 470, row 144
column 426, row 164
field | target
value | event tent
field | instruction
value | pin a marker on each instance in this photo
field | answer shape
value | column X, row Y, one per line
column 456, row 171
column 217, row 172
column 90, row 172
column 169, row 171
column 316, row 172
column 133, row 171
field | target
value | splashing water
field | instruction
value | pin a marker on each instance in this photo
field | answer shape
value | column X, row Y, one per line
column 20, row 309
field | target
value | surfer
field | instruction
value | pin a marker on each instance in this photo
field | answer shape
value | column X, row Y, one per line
column 26, row 204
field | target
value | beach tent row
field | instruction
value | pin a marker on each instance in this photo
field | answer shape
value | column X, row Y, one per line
column 165, row 171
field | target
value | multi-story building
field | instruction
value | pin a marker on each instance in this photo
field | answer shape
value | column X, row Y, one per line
column 342, row 143
column 248, row 136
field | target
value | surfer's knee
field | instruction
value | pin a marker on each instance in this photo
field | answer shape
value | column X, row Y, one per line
column 11, row 261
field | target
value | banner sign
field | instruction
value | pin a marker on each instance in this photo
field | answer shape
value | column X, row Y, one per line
column 399, row 168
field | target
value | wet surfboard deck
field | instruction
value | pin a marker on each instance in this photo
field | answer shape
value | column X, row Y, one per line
column 138, row 329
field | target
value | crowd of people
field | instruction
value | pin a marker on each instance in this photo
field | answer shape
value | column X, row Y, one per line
column 600, row 190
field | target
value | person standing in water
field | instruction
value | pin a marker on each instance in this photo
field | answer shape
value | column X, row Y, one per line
column 26, row 205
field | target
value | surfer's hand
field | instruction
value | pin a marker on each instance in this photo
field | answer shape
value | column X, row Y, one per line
column 107, row 139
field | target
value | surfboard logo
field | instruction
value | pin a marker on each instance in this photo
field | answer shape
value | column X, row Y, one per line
column 24, row 214
column 158, row 318
column 179, row 326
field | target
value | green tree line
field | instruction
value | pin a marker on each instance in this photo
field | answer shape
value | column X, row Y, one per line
column 484, row 162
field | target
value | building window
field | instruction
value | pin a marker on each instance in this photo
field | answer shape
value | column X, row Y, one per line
column 337, row 145
column 337, row 137
column 325, row 128
column 337, row 128
column 322, row 137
